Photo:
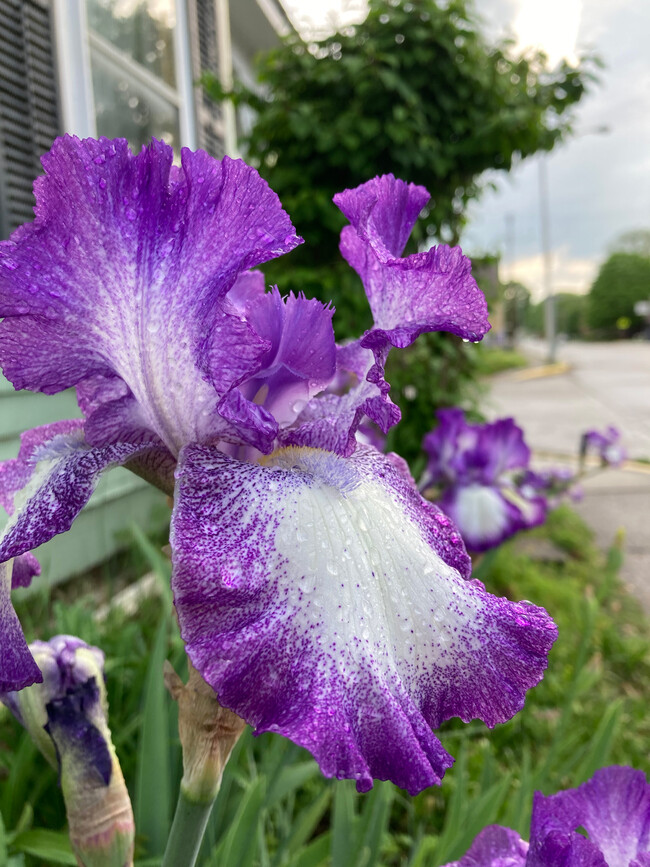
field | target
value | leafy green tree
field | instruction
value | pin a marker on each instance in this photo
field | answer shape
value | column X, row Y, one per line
column 419, row 91
column 570, row 315
column 622, row 280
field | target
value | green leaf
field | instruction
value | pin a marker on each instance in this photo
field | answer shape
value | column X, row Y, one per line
column 289, row 779
column 52, row 846
column 344, row 822
column 238, row 846
column 153, row 793
column 317, row 854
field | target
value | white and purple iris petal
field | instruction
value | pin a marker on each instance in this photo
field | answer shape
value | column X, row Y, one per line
column 613, row 808
column 122, row 274
column 43, row 490
column 320, row 595
column 480, row 473
column 607, row 444
column 322, row 598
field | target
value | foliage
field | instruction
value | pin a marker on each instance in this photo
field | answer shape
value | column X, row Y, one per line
column 570, row 315
column 437, row 371
column 622, row 280
column 494, row 359
column 276, row 810
column 634, row 241
column 416, row 90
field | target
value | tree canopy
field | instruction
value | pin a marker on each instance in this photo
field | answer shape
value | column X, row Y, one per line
column 417, row 90
column 622, row 280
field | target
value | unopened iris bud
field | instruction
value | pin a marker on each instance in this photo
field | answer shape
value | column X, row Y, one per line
column 67, row 716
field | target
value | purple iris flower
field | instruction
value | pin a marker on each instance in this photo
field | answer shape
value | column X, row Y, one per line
column 554, row 483
column 606, row 444
column 479, row 472
column 316, row 591
column 613, row 808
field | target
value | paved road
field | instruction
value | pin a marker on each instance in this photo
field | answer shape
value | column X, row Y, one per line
column 608, row 383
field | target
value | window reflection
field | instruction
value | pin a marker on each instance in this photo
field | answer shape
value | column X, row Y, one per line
column 126, row 109
column 141, row 29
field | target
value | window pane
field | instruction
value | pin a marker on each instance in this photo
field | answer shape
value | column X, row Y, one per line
column 142, row 29
column 126, row 109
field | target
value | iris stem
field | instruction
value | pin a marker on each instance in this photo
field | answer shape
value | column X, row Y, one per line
column 188, row 828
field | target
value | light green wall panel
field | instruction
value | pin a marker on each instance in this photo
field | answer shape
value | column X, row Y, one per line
column 121, row 498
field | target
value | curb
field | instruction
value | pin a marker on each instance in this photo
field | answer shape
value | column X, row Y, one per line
column 556, row 369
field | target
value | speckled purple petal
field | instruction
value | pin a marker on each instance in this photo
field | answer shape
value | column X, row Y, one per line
column 432, row 291
column 17, row 666
column 59, row 474
column 383, row 211
column 495, row 846
column 330, row 421
column 300, row 358
column 26, row 567
column 488, row 515
column 315, row 595
column 123, row 271
column 613, row 808
column 16, row 472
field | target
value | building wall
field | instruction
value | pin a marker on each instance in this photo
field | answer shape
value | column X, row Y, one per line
column 79, row 66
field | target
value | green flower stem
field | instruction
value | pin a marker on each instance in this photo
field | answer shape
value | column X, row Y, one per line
column 188, row 828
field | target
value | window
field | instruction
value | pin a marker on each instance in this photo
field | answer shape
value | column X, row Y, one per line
column 134, row 70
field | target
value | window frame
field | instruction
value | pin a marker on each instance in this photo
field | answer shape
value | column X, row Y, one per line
column 74, row 41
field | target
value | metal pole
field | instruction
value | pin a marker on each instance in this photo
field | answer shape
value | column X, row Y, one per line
column 545, row 226
column 225, row 76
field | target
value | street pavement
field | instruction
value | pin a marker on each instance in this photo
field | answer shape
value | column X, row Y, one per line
column 601, row 384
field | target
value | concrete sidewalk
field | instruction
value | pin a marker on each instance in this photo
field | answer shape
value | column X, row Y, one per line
column 600, row 384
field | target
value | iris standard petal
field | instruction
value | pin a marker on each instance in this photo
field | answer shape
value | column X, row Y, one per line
column 613, row 808
column 432, row 291
column 495, row 846
column 383, row 211
column 315, row 594
column 17, row 666
column 123, row 271
column 300, row 358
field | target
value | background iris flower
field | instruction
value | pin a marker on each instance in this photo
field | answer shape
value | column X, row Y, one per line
column 613, row 808
column 481, row 478
column 316, row 591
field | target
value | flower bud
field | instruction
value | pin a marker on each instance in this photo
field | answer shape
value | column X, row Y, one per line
column 66, row 715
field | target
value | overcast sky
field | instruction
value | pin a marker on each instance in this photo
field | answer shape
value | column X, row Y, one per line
column 599, row 184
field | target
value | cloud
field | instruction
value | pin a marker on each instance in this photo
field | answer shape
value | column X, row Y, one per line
column 567, row 274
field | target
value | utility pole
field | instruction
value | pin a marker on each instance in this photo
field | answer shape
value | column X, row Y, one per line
column 547, row 265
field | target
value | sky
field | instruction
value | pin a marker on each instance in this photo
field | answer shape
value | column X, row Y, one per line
column 599, row 181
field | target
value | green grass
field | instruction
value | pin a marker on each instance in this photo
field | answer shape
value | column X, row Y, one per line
column 495, row 359
column 276, row 810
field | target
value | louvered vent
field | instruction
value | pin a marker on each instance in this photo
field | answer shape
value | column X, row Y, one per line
column 29, row 115
column 203, row 35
